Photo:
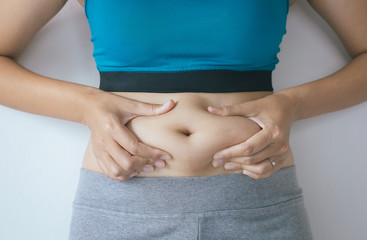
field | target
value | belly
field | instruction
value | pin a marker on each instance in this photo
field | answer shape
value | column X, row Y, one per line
column 190, row 133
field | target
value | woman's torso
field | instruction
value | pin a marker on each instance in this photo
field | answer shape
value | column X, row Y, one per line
column 210, row 133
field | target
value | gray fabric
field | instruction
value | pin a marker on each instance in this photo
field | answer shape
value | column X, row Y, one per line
column 232, row 206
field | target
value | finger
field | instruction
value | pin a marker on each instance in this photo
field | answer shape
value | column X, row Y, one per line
column 143, row 108
column 268, row 151
column 124, row 159
column 119, row 178
column 110, row 167
column 131, row 163
column 146, row 168
column 129, row 141
column 232, row 166
column 149, row 163
column 242, row 109
column 261, row 170
column 254, row 144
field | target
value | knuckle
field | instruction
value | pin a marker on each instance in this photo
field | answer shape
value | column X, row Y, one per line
column 261, row 170
column 119, row 178
column 276, row 132
column 129, row 165
column 249, row 148
column 109, row 124
column 139, row 161
column 134, row 147
column 227, row 110
column 284, row 148
column 247, row 160
column 115, row 171
column 231, row 109
column 122, row 178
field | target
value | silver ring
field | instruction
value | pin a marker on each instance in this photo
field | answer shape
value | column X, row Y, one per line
column 272, row 162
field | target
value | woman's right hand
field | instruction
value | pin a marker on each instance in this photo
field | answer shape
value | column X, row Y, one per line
column 118, row 151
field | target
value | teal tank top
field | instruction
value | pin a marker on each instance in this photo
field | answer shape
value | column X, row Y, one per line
column 186, row 45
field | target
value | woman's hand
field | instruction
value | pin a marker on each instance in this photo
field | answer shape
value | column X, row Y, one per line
column 274, row 114
column 118, row 151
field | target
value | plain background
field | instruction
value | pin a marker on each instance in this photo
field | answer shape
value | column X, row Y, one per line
column 41, row 156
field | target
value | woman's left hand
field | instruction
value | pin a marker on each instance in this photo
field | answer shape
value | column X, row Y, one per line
column 275, row 114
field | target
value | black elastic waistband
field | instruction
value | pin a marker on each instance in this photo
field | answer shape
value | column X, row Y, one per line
column 187, row 81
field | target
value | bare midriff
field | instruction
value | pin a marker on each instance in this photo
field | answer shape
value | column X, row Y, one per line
column 188, row 132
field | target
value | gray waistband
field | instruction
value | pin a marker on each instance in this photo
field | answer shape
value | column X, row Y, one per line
column 185, row 194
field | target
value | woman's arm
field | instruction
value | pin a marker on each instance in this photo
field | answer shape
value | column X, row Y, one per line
column 118, row 152
column 348, row 86
column 22, row 89
column 275, row 113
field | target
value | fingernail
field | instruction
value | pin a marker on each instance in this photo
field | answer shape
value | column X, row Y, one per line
column 217, row 163
column 133, row 174
column 165, row 157
column 213, row 109
column 159, row 164
column 245, row 172
column 166, row 104
column 218, row 156
column 229, row 166
column 148, row 168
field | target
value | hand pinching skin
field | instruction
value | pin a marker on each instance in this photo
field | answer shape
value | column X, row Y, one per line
column 264, row 153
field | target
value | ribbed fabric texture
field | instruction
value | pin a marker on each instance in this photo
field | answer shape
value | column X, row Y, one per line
column 187, row 81
column 232, row 206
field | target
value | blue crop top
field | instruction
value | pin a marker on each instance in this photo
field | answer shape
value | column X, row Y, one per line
column 186, row 45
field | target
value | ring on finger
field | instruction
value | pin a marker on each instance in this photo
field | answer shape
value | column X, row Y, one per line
column 272, row 162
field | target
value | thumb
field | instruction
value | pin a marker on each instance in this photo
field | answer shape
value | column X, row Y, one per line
column 242, row 109
column 143, row 108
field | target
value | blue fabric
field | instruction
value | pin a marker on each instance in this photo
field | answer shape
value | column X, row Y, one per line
column 170, row 35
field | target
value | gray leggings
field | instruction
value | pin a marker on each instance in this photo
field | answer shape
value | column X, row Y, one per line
column 232, row 206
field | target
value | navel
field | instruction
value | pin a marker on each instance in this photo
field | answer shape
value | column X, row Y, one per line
column 186, row 132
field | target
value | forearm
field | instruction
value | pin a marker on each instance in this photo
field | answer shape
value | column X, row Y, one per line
column 26, row 91
column 342, row 89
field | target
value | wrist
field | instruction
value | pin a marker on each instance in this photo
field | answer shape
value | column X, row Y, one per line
column 88, row 103
column 292, row 102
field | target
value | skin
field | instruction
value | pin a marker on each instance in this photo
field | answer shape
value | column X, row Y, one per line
column 188, row 132
column 104, row 112
column 276, row 113
column 27, row 91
